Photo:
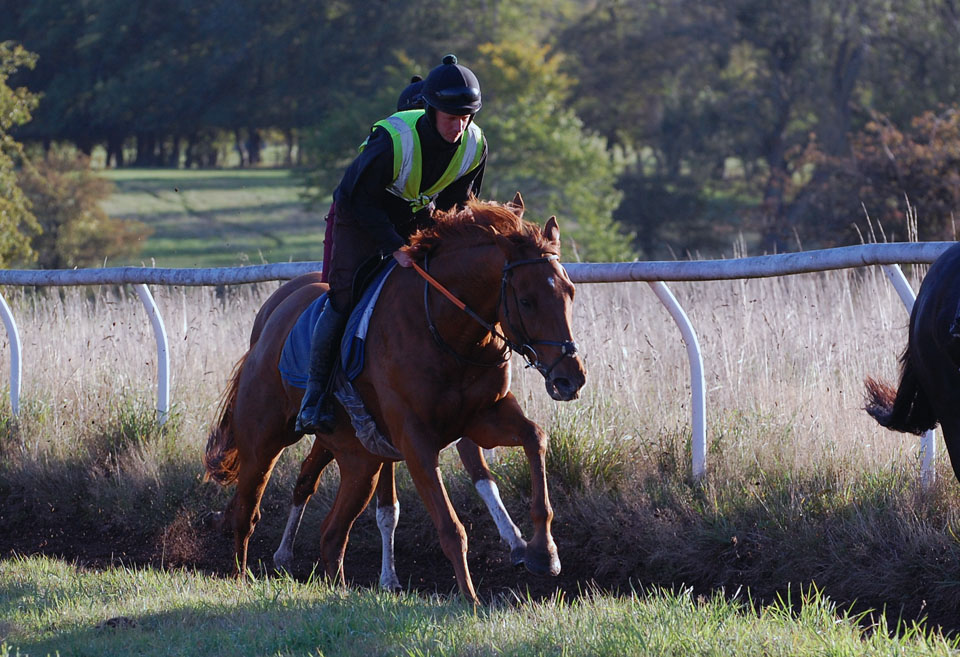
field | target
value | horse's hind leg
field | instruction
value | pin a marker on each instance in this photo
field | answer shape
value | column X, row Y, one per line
column 388, row 515
column 424, row 469
column 307, row 482
column 243, row 511
column 476, row 466
column 358, row 478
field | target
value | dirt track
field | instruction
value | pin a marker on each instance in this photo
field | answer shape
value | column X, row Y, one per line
column 192, row 543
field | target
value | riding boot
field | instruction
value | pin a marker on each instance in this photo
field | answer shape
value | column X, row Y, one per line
column 317, row 409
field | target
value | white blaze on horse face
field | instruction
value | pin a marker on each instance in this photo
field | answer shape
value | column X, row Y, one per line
column 551, row 282
column 387, row 519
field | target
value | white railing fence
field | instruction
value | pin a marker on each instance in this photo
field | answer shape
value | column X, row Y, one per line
column 889, row 256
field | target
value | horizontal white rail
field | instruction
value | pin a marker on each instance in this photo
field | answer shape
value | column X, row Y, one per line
column 615, row 272
column 654, row 272
column 758, row 266
column 158, row 275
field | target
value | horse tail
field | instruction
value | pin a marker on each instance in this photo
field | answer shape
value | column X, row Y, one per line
column 904, row 409
column 221, row 459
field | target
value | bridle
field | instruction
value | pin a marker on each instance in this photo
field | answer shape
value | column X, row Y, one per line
column 526, row 348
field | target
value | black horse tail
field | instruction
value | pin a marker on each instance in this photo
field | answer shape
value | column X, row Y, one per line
column 221, row 459
column 904, row 409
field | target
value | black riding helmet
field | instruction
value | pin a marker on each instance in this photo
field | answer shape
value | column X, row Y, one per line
column 411, row 97
column 452, row 88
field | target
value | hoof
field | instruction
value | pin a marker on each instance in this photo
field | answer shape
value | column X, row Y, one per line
column 214, row 521
column 543, row 563
column 391, row 585
column 283, row 562
column 518, row 555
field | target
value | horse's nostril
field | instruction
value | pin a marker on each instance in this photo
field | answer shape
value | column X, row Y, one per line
column 563, row 385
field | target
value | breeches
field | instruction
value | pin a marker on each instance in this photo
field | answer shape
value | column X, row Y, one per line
column 353, row 257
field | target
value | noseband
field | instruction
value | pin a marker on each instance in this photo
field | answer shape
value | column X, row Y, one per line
column 526, row 349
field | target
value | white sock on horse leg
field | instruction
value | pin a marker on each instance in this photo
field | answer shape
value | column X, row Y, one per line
column 387, row 519
column 490, row 494
column 283, row 557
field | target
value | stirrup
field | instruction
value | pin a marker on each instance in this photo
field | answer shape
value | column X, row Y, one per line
column 318, row 418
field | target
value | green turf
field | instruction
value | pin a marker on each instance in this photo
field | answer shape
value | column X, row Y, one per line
column 216, row 218
column 48, row 607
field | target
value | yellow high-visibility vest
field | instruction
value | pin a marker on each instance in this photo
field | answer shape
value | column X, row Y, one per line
column 408, row 158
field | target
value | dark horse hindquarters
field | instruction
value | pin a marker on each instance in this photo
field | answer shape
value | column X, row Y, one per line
column 929, row 389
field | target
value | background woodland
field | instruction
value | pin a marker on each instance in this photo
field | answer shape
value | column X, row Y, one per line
column 654, row 129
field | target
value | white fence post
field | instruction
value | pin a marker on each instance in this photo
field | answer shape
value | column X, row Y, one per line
column 163, row 352
column 16, row 359
column 928, row 444
column 698, row 402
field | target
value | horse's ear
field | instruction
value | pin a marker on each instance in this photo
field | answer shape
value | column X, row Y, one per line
column 551, row 231
column 516, row 205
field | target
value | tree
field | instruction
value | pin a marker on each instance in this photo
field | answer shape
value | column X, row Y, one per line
column 718, row 94
column 888, row 172
column 540, row 147
column 17, row 222
column 66, row 196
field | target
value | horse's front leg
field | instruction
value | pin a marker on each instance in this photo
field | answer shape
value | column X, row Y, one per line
column 504, row 424
column 388, row 515
column 423, row 463
column 476, row 466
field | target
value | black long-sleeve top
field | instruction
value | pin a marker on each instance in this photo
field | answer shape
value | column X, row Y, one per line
column 362, row 195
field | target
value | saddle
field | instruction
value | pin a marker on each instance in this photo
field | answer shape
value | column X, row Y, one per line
column 295, row 360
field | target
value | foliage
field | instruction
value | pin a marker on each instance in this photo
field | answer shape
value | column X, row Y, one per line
column 889, row 172
column 540, row 147
column 713, row 96
column 17, row 222
column 66, row 195
column 700, row 86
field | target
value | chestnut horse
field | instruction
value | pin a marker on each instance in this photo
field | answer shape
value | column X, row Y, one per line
column 929, row 390
column 388, row 506
column 435, row 371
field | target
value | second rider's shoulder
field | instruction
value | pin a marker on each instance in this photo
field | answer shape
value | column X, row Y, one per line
column 378, row 141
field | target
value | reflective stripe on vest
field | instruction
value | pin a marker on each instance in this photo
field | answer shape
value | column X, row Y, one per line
column 408, row 159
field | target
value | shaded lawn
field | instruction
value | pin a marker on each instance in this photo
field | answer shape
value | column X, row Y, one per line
column 217, row 217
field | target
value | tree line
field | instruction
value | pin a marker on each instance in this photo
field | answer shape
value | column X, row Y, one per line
column 658, row 127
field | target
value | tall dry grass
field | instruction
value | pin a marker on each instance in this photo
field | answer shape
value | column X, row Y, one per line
column 801, row 483
column 784, row 360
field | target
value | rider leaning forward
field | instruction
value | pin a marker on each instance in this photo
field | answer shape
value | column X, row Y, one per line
column 412, row 162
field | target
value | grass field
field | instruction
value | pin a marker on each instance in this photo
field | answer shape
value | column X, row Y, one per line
column 54, row 608
column 222, row 217
column 802, row 490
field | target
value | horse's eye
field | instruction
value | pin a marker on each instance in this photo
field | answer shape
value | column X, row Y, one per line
column 526, row 303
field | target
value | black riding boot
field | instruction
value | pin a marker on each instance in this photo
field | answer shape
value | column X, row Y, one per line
column 317, row 409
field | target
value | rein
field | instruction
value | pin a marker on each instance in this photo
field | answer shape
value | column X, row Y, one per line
column 525, row 348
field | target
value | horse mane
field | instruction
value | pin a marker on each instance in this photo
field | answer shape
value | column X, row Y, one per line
column 480, row 222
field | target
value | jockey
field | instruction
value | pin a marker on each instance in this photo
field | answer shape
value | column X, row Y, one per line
column 410, row 98
column 412, row 95
column 412, row 162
